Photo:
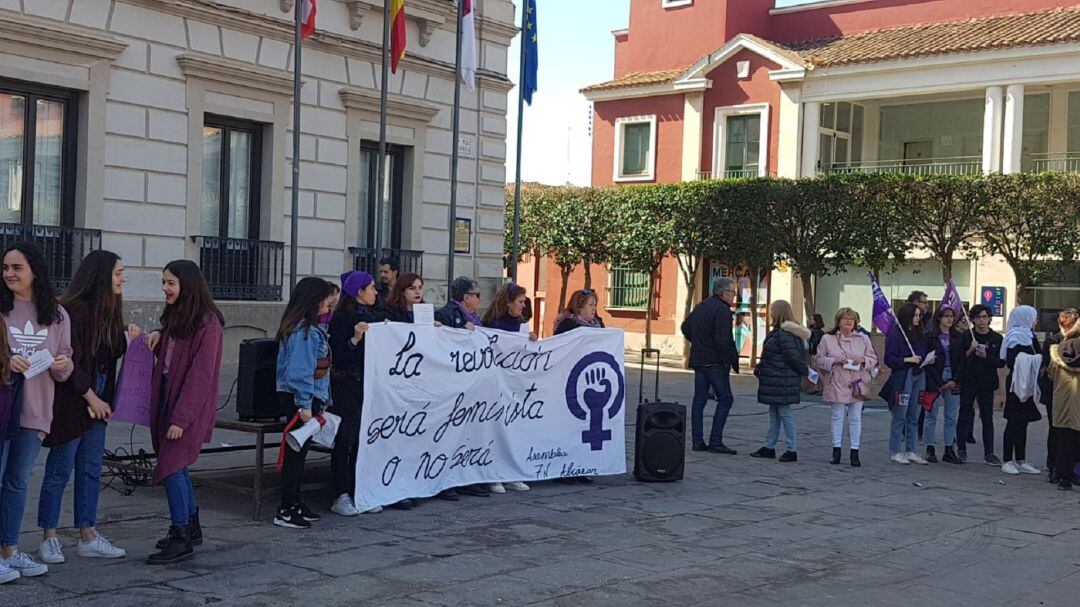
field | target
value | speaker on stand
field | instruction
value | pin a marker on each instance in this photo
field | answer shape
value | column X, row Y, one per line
column 659, row 440
column 256, row 382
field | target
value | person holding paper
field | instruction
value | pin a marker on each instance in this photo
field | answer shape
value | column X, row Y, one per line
column 905, row 349
column 1023, row 357
column 948, row 351
column 38, row 329
column 406, row 292
column 780, row 373
column 76, row 440
column 978, row 381
column 303, row 378
column 355, row 312
column 461, row 312
column 184, row 398
column 846, row 356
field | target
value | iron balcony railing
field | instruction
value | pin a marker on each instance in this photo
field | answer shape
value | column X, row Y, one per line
column 1068, row 162
column 367, row 259
column 729, row 174
column 955, row 165
column 241, row 269
column 64, row 247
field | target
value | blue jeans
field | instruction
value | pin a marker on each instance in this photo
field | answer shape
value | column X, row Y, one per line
column 951, row 404
column 780, row 415
column 181, row 497
column 719, row 380
column 905, row 414
column 16, row 463
column 83, row 455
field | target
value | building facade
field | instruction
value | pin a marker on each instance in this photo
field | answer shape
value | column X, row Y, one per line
column 727, row 89
column 162, row 129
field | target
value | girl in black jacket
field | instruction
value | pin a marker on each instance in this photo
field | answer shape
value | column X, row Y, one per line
column 780, row 374
column 943, row 377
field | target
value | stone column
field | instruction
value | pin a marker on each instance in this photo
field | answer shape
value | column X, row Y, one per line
column 811, row 116
column 1013, row 133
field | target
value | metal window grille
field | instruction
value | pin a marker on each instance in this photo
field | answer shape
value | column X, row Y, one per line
column 628, row 289
column 367, row 259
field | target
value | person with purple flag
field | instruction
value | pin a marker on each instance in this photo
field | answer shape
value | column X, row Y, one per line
column 883, row 317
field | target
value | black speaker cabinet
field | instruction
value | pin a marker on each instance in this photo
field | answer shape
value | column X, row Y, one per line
column 660, row 442
column 256, row 383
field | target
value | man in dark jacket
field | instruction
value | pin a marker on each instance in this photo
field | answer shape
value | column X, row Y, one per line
column 978, row 379
column 388, row 275
column 712, row 357
column 461, row 312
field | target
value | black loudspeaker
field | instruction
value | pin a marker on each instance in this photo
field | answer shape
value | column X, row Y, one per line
column 256, row 382
column 660, row 442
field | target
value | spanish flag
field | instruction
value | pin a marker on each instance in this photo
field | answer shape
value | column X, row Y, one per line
column 397, row 32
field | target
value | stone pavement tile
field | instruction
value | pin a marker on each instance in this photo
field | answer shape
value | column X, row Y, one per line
column 716, row 578
column 253, row 578
column 1034, row 524
column 795, row 502
column 1060, row 592
column 998, row 580
column 457, row 568
column 134, row 597
column 607, row 596
column 497, row 590
column 359, row 589
column 97, row 575
column 682, row 526
column 556, row 549
column 33, row 591
column 579, row 574
column 358, row 560
column 652, row 557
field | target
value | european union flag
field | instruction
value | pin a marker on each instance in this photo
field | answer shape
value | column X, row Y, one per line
column 528, row 52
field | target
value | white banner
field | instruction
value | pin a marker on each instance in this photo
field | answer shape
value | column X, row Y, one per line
column 450, row 407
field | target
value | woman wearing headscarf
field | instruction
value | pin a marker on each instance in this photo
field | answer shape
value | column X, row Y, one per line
column 1023, row 356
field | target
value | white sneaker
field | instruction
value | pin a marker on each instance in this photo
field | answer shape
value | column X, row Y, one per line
column 1027, row 468
column 51, row 551
column 98, row 548
column 375, row 510
column 497, row 488
column 344, row 506
column 899, row 458
column 24, row 565
column 7, row 574
column 517, row 486
column 915, row 458
column 1010, row 468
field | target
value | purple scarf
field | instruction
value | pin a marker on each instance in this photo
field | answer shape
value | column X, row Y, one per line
column 469, row 316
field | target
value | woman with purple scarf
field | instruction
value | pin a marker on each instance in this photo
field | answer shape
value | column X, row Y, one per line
column 580, row 312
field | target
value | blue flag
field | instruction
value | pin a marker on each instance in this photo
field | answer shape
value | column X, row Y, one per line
column 528, row 51
column 882, row 316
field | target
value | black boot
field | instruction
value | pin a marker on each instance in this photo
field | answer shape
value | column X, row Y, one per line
column 1064, row 485
column 855, row 463
column 931, row 455
column 951, row 457
column 789, row 456
column 764, row 452
column 836, row 451
column 196, row 532
column 177, row 549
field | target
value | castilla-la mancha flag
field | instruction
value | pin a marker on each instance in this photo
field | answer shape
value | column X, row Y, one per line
column 397, row 33
column 307, row 18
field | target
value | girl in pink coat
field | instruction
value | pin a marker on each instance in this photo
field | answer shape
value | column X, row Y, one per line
column 845, row 358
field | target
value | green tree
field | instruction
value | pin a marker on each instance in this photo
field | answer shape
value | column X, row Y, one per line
column 1031, row 221
column 691, row 215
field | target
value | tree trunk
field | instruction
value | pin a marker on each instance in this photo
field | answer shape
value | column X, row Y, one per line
column 588, row 274
column 808, row 294
column 649, row 310
column 1023, row 280
column 689, row 269
column 564, row 273
column 753, row 317
column 946, row 267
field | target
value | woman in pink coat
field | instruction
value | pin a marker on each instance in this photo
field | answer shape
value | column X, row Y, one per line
column 845, row 358
column 184, row 398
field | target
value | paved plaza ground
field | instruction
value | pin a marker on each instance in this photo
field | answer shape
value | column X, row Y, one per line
column 736, row 531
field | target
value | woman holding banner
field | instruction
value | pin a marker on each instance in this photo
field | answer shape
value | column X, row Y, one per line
column 946, row 342
column 905, row 350
column 355, row 312
column 580, row 312
column 184, row 394
column 76, row 441
column 407, row 291
column 303, row 379
column 40, row 330
column 507, row 313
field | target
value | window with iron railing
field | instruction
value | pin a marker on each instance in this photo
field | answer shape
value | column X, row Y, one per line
column 627, row 289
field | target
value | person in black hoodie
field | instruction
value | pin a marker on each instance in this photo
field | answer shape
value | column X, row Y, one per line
column 978, row 381
column 1066, row 319
column 712, row 357
column 947, row 343
column 355, row 311
column 780, row 375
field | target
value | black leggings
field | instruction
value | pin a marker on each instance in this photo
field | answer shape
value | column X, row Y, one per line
column 1015, row 441
column 1067, row 443
column 292, row 466
column 343, row 457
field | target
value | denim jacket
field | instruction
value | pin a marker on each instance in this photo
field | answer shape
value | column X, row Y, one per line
column 297, row 358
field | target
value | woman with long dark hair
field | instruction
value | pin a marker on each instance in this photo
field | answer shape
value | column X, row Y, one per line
column 94, row 301
column 184, row 394
column 355, row 312
column 303, row 379
column 507, row 313
column 905, row 350
column 40, row 330
column 407, row 290
column 946, row 342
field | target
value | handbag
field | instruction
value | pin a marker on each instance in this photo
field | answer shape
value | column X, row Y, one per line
column 322, row 367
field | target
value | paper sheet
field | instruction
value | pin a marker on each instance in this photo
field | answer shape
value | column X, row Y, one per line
column 423, row 314
column 813, row 376
column 929, row 360
column 40, row 361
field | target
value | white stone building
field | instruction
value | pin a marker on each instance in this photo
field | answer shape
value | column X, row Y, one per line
column 114, row 115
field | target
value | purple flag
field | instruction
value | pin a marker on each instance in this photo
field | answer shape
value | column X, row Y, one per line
column 951, row 300
column 883, row 316
column 132, row 401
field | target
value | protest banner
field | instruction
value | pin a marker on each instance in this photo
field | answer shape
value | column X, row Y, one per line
column 451, row 407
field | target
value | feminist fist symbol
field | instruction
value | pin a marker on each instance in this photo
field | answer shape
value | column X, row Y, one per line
column 601, row 378
column 596, row 400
